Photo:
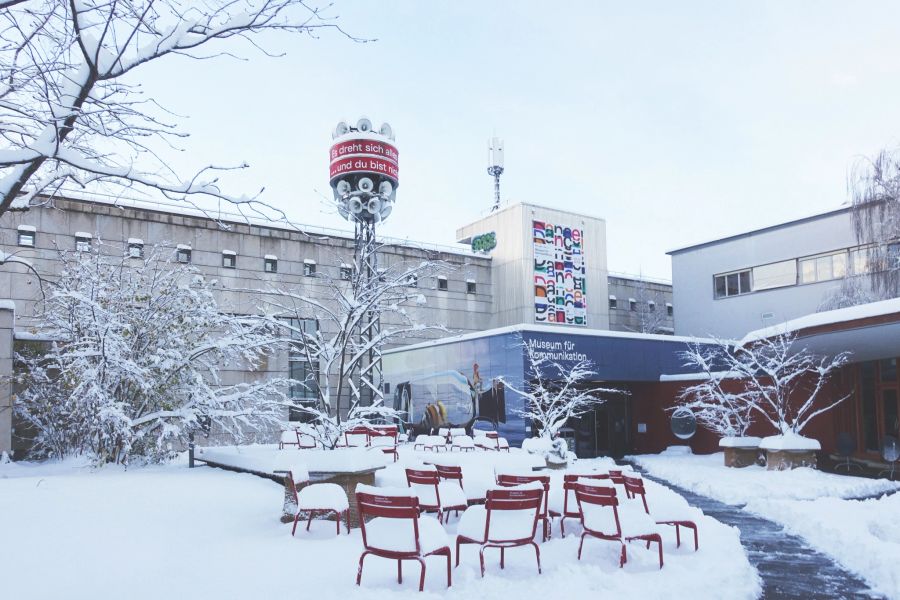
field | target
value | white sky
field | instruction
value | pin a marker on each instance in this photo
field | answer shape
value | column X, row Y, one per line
column 675, row 121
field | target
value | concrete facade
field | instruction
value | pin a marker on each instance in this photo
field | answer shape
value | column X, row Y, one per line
column 701, row 313
column 7, row 327
column 640, row 305
column 513, row 261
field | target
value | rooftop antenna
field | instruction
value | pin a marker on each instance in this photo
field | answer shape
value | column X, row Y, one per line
column 495, row 167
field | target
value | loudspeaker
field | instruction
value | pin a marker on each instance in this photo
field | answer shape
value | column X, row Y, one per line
column 365, row 184
column 341, row 129
column 343, row 187
column 364, row 125
column 386, row 130
column 385, row 188
column 355, row 206
column 374, row 206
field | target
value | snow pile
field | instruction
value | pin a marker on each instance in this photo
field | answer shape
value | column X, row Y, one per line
column 862, row 535
column 709, row 476
column 789, row 441
column 264, row 458
column 230, row 544
column 740, row 442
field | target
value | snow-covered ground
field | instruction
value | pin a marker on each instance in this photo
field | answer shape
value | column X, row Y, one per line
column 173, row 532
column 863, row 536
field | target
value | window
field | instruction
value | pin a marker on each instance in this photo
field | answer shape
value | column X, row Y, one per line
column 346, row 272
column 470, row 286
column 775, row 275
column 82, row 242
column 632, row 304
column 823, row 268
column 270, row 264
column 381, row 274
column 732, row 284
column 26, row 236
column 869, row 418
column 859, row 261
column 412, row 280
column 651, row 305
column 670, row 310
column 135, row 248
column 229, row 259
column 304, row 373
column 309, row 267
column 613, row 303
column 893, row 255
column 442, row 283
column 183, row 255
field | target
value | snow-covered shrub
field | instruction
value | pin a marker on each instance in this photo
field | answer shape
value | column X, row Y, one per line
column 555, row 393
column 136, row 365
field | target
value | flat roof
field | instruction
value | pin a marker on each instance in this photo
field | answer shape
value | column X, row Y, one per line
column 753, row 232
column 554, row 329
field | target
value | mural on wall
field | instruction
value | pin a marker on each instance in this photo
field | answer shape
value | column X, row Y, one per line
column 559, row 274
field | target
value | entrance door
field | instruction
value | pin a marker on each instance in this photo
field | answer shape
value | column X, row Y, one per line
column 604, row 431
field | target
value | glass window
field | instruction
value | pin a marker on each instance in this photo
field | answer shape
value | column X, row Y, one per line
column 412, row 281
column 889, row 404
column 346, row 272
column 26, row 238
column 135, row 250
column 183, row 255
column 229, row 260
column 775, row 275
column 720, row 286
column 888, row 368
column 613, row 302
column 744, row 278
column 270, row 265
column 808, row 270
column 823, row 268
column 670, row 310
column 442, row 283
column 652, row 306
column 839, row 265
column 869, row 419
column 859, row 260
column 309, row 268
column 732, row 287
column 632, row 304
column 299, row 368
column 82, row 243
column 470, row 287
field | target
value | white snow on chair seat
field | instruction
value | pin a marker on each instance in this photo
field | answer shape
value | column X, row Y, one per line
column 457, row 431
column 463, row 441
column 289, row 461
column 674, row 513
column 398, row 535
column 505, row 524
column 289, row 437
column 556, row 502
column 451, row 494
column 383, row 441
column 323, row 495
column 600, row 483
column 392, row 491
column 635, row 521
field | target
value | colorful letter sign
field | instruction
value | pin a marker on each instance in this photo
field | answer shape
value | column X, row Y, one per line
column 559, row 274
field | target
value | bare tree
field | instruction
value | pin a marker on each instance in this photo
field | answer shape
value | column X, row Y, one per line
column 336, row 356
column 727, row 412
column 650, row 309
column 853, row 291
column 72, row 112
column 874, row 186
column 555, row 393
column 782, row 382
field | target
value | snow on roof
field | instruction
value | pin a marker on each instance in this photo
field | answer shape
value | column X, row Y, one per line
column 442, row 277
column 184, row 246
column 840, row 315
column 29, row 336
column 27, row 228
column 470, row 281
column 82, row 234
column 700, row 376
column 559, row 330
column 137, row 241
column 668, row 304
column 308, row 261
column 612, row 297
column 632, row 300
column 230, row 252
column 346, row 266
column 271, row 257
column 7, row 305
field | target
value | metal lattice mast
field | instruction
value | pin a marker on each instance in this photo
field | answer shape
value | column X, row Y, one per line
column 495, row 168
column 370, row 374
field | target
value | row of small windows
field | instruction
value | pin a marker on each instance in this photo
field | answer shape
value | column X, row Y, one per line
column 633, row 305
column 798, row 271
column 27, row 235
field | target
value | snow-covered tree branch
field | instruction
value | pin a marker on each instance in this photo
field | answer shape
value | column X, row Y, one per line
column 555, row 393
column 324, row 332
column 72, row 113
column 137, row 361
column 781, row 382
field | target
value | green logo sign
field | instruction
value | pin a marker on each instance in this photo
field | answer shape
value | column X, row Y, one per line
column 484, row 242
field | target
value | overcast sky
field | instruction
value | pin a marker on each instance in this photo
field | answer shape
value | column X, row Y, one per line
column 675, row 121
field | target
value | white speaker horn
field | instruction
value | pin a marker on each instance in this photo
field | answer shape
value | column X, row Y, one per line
column 385, row 188
column 365, row 185
column 343, row 187
column 341, row 129
column 386, row 209
column 355, row 206
column 386, row 130
column 364, row 125
column 374, row 206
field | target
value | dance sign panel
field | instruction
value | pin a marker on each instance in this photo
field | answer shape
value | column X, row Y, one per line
column 559, row 274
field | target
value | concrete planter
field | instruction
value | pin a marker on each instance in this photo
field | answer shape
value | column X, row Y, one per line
column 347, row 480
column 784, row 460
column 740, row 452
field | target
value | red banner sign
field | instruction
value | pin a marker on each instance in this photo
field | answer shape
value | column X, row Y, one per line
column 364, row 147
column 364, row 164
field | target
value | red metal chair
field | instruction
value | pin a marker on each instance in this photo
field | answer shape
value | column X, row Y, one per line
column 323, row 498
column 600, row 519
column 451, row 473
column 384, row 438
column 386, row 535
column 491, row 440
column 507, row 519
column 306, row 440
column 357, row 437
column 676, row 518
column 566, row 507
column 544, row 480
column 436, row 495
column 288, row 438
column 618, row 478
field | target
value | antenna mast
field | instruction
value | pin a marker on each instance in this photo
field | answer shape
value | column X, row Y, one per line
column 495, row 167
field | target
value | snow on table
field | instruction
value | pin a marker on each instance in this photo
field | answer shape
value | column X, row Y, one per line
column 173, row 532
column 266, row 458
column 708, row 475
